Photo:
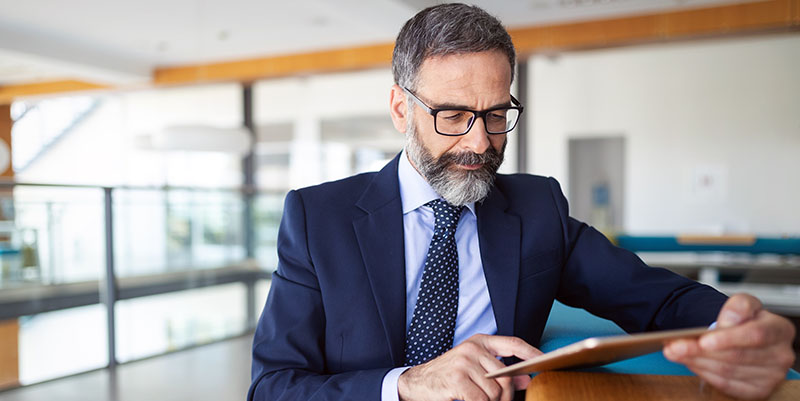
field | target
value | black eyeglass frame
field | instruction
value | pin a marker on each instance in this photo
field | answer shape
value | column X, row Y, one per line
column 475, row 114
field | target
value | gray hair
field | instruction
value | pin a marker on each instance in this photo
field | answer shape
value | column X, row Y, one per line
column 443, row 30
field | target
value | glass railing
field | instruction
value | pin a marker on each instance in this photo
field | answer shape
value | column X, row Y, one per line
column 179, row 272
column 53, row 235
column 168, row 230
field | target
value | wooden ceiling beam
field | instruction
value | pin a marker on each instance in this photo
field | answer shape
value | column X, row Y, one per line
column 10, row 92
column 279, row 66
column 724, row 20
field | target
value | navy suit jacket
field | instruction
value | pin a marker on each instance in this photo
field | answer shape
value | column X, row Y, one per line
column 334, row 321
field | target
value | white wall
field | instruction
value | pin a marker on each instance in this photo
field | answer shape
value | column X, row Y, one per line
column 349, row 94
column 728, row 110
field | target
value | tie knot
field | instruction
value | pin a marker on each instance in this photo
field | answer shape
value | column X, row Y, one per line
column 446, row 214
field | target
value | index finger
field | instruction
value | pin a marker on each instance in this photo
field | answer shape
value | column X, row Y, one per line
column 509, row 346
column 738, row 309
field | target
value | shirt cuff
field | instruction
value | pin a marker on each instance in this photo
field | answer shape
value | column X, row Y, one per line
column 389, row 386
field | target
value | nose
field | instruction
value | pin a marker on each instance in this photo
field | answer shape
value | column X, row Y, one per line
column 476, row 140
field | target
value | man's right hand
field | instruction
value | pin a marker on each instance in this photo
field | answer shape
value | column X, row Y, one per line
column 459, row 374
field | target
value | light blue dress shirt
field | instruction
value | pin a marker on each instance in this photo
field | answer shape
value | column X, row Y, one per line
column 475, row 313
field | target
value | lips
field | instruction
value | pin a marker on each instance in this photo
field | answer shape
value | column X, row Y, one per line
column 470, row 166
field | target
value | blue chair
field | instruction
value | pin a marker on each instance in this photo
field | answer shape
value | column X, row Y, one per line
column 568, row 325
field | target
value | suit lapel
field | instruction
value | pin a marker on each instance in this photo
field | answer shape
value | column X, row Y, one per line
column 380, row 238
column 499, row 238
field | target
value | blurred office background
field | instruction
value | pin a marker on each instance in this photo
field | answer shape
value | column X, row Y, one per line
column 147, row 148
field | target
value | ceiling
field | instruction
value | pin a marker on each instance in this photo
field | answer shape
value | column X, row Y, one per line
column 121, row 42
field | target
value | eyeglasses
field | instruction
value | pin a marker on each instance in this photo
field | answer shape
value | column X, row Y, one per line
column 456, row 122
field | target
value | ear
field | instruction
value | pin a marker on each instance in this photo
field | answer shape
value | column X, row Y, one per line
column 397, row 108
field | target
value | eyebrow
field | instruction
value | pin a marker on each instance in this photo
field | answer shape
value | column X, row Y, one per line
column 463, row 107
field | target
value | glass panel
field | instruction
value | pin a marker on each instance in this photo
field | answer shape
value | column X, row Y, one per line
column 268, row 208
column 158, row 231
column 261, row 290
column 168, row 322
column 62, row 343
column 53, row 261
column 60, row 235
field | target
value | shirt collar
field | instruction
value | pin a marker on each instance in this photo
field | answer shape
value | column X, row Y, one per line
column 414, row 189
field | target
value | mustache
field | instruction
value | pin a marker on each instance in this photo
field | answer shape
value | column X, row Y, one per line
column 489, row 158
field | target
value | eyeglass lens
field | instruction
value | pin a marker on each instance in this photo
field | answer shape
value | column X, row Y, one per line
column 459, row 121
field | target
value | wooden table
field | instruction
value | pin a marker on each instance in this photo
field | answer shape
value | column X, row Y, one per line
column 569, row 386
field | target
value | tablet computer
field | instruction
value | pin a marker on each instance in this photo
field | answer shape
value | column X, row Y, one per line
column 597, row 351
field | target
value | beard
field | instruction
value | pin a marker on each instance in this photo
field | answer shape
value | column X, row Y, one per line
column 456, row 185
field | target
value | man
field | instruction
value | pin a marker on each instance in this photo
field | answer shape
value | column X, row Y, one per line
column 409, row 283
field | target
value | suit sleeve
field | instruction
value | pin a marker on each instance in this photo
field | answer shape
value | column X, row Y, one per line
column 288, row 356
column 615, row 284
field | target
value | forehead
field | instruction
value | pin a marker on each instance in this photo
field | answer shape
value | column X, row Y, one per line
column 455, row 77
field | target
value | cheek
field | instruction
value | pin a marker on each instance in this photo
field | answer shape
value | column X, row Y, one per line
column 436, row 144
column 497, row 142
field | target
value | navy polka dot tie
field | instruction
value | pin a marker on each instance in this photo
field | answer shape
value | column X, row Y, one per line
column 433, row 324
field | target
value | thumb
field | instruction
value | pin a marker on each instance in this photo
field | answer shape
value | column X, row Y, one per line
column 738, row 309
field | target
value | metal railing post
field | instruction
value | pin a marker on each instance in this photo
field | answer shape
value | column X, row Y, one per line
column 522, row 126
column 250, row 293
column 248, row 173
column 109, row 290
